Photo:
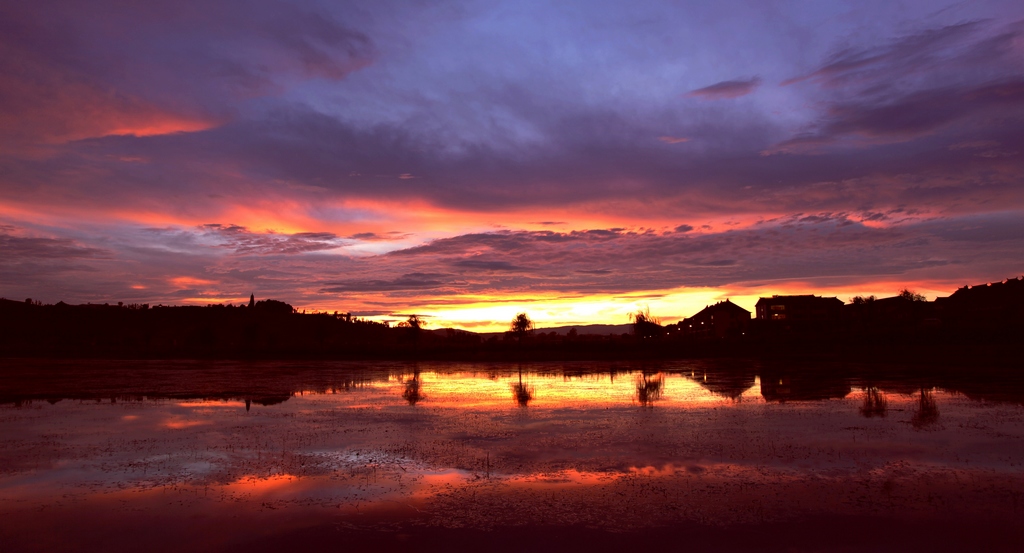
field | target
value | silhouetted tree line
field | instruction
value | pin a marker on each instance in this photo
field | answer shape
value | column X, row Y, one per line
column 267, row 329
column 982, row 321
column 268, row 326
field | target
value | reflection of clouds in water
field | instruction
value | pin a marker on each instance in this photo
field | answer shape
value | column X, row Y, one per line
column 360, row 459
column 177, row 423
column 582, row 437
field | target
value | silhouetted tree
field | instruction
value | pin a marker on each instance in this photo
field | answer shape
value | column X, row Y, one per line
column 646, row 325
column 910, row 295
column 521, row 326
column 274, row 307
column 861, row 300
column 413, row 326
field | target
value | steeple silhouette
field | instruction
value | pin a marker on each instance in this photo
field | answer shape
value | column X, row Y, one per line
column 252, row 300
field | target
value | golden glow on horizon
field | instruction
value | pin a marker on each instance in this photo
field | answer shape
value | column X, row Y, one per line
column 495, row 315
column 485, row 314
column 216, row 300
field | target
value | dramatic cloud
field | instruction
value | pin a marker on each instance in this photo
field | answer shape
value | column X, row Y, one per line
column 949, row 79
column 20, row 249
column 241, row 241
column 384, row 157
column 189, row 263
column 74, row 70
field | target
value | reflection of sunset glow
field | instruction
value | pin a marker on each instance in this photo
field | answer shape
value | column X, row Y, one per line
column 468, row 453
column 262, row 484
column 562, row 479
column 430, row 480
column 211, row 403
column 178, row 423
column 473, row 391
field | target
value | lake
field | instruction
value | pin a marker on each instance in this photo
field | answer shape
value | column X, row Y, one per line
column 697, row 455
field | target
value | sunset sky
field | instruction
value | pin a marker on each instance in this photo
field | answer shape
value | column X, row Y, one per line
column 576, row 160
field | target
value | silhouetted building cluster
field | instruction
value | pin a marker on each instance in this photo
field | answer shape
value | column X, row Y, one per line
column 799, row 310
column 987, row 307
column 970, row 318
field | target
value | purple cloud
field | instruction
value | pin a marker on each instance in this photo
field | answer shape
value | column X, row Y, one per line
column 242, row 241
column 74, row 71
column 947, row 79
column 726, row 89
column 26, row 248
column 164, row 115
column 825, row 247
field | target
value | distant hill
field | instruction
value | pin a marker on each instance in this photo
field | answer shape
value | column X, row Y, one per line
column 590, row 329
column 601, row 330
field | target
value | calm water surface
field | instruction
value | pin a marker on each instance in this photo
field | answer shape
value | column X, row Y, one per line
column 223, row 456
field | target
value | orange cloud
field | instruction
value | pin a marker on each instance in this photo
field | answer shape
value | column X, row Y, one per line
column 190, row 282
column 47, row 105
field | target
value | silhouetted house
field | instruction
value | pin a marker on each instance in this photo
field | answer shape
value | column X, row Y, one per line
column 723, row 319
column 799, row 312
column 998, row 304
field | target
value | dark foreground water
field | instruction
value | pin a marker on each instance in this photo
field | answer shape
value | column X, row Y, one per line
column 201, row 456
